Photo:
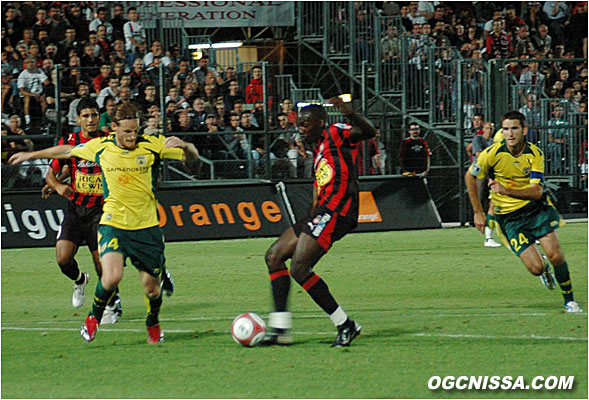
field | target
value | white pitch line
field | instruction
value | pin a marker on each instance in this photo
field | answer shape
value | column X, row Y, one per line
column 313, row 316
column 460, row 336
column 441, row 335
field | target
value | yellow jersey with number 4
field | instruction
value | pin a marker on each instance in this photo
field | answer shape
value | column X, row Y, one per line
column 129, row 178
column 512, row 172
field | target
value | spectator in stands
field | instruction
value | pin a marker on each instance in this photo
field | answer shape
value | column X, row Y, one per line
column 255, row 89
column 110, row 106
column 27, row 37
column 14, row 128
column 523, row 43
column 558, row 15
column 89, row 61
column 125, row 97
column 47, row 66
column 12, row 22
column 157, row 50
column 35, row 53
column 183, row 76
column 148, row 98
column 101, row 80
column 30, row 85
column 101, row 20
column 414, row 16
column 498, row 44
column 488, row 27
column 203, row 69
column 188, row 96
column 221, row 114
column 542, row 40
column 286, row 107
column 405, row 21
column 557, row 139
column 258, row 116
column 414, row 155
column 246, row 121
column 118, row 22
column 512, row 20
column 118, row 54
column 533, row 16
column 66, row 44
column 42, row 23
column 577, row 25
column 237, row 143
column 232, row 96
column 228, row 76
column 183, row 123
column 77, row 20
column 103, row 42
column 198, row 113
column 112, row 90
column 59, row 24
column 533, row 81
column 531, row 111
column 138, row 74
column 134, row 33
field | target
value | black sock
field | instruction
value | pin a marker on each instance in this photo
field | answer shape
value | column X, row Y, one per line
column 101, row 297
column 153, row 310
column 319, row 292
column 280, row 281
column 72, row 271
column 564, row 281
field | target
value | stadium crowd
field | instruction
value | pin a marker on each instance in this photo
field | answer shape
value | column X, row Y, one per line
column 105, row 55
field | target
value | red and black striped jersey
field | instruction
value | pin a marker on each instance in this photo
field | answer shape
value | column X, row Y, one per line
column 86, row 176
column 336, row 175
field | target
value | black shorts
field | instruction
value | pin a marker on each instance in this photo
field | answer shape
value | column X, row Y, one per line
column 80, row 225
column 326, row 227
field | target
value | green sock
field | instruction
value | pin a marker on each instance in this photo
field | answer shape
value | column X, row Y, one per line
column 153, row 310
column 564, row 281
column 491, row 221
column 101, row 297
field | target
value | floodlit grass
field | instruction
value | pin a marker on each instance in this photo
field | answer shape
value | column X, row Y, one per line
column 432, row 302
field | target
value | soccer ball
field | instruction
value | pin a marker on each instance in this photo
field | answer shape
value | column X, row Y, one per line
column 248, row 329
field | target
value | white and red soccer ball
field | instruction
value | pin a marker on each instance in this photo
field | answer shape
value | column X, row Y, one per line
column 248, row 329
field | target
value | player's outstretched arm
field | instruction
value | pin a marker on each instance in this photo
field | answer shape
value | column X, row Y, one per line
column 362, row 128
column 190, row 151
column 61, row 152
column 480, row 218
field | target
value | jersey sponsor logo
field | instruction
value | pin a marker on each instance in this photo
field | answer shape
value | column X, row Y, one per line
column 476, row 169
column 123, row 179
column 323, row 173
column 141, row 161
column 526, row 171
column 86, row 164
column 89, row 184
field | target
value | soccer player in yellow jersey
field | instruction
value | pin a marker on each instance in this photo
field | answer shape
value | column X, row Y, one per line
column 129, row 227
column 523, row 212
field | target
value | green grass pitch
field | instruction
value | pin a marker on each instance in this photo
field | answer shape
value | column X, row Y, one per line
column 432, row 302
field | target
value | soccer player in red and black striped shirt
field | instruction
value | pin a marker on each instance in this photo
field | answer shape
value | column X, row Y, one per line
column 334, row 213
column 84, row 208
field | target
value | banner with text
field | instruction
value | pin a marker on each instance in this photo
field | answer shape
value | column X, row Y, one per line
column 230, row 211
column 216, row 14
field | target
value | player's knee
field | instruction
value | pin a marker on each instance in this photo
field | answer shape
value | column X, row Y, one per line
column 536, row 268
column 153, row 291
column 65, row 261
column 272, row 258
column 556, row 258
